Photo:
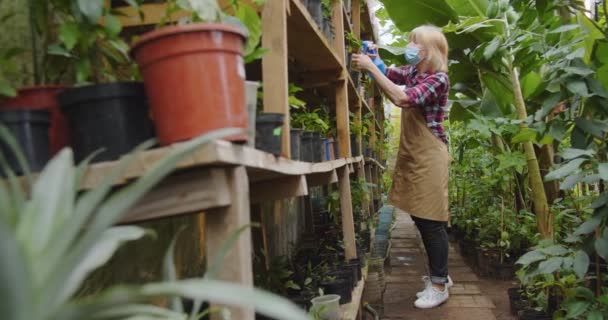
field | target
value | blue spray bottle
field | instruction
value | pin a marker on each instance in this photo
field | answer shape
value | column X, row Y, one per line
column 377, row 61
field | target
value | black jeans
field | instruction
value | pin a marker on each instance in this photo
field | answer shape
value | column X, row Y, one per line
column 435, row 239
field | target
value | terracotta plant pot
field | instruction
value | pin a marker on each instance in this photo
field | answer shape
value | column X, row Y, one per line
column 195, row 79
column 43, row 98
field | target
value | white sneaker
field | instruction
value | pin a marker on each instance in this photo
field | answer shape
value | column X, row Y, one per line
column 428, row 284
column 432, row 298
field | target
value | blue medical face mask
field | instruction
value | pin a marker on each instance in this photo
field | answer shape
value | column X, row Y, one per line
column 412, row 55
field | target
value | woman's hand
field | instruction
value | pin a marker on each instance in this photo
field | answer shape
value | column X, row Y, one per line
column 362, row 62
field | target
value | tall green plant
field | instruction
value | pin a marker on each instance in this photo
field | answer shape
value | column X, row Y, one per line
column 53, row 236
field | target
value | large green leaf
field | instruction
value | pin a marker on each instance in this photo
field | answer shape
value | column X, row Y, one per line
column 589, row 225
column 531, row 257
column 16, row 290
column 565, row 170
column 576, row 308
column 469, row 7
column 92, row 9
column 550, row 265
column 113, row 208
column 601, row 246
column 530, row 83
column 571, row 153
column 409, row 14
column 581, row 263
column 593, row 127
column 218, row 292
column 501, row 88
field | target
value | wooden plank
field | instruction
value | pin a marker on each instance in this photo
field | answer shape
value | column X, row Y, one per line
column 321, row 179
column 183, row 193
column 356, row 17
column 278, row 189
column 346, row 208
column 337, row 21
column 307, row 44
column 274, row 65
column 223, row 223
column 342, row 118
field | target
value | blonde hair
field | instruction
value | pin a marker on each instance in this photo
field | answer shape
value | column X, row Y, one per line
column 433, row 40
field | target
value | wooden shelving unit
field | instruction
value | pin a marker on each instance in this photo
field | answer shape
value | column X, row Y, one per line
column 223, row 180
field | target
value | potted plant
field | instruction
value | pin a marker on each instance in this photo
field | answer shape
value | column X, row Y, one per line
column 296, row 133
column 107, row 109
column 313, row 124
column 354, row 44
column 193, row 72
column 41, row 89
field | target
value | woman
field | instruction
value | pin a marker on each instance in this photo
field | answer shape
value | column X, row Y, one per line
column 420, row 180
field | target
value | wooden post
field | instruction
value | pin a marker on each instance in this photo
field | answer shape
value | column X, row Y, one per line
column 356, row 17
column 346, row 206
column 223, row 222
column 274, row 65
column 342, row 112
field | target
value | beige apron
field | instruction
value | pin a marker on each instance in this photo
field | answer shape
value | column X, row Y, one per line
column 420, row 180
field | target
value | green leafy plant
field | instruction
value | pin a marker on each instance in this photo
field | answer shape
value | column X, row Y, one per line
column 353, row 42
column 53, row 236
column 241, row 15
column 326, row 7
column 89, row 36
column 310, row 120
column 294, row 102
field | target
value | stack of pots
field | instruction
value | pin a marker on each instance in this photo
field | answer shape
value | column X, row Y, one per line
column 35, row 120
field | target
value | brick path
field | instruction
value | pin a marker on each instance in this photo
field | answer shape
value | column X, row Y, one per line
column 408, row 265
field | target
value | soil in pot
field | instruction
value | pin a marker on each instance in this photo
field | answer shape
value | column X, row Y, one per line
column 307, row 147
column 315, row 9
column 195, row 79
column 43, row 98
column 112, row 117
column 251, row 97
column 30, row 128
column 295, row 136
column 268, row 132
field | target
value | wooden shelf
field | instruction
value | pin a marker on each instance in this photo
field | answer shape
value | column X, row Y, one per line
column 200, row 181
column 349, row 311
column 307, row 44
column 374, row 162
column 347, row 21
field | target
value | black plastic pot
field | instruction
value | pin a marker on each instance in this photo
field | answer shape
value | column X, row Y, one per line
column 30, row 128
column 305, row 3
column 112, row 116
column 354, row 147
column 317, row 146
column 295, row 136
column 504, row 271
column 269, row 133
column 516, row 301
column 336, row 148
column 356, row 265
column 316, row 11
column 341, row 287
column 531, row 314
column 307, row 148
column 327, row 29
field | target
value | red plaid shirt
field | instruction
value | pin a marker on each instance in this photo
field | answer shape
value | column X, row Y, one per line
column 429, row 91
